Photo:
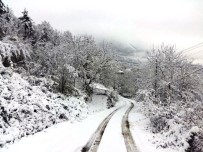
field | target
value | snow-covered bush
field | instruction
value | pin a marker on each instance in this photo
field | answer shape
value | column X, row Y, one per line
column 26, row 109
column 112, row 99
column 172, row 96
column 109, row 103
column 13, row 52
column 195, row 142
column 7, row 51
column 114, row 95
column 174, row 124
column 158, row 124
column 144, row 95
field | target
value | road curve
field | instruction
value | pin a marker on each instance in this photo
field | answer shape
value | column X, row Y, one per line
column 129, row 142
column 93, row 143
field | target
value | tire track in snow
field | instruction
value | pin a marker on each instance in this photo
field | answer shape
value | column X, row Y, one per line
column 93, row 143
column 129, row 141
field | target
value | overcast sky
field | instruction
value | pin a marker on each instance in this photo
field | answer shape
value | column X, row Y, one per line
column 140, row 22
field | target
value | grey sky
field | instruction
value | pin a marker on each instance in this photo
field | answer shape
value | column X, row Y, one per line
column 140, row 22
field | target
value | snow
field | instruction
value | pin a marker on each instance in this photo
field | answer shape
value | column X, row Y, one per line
column 98, row 103
column 140, row 128
column 7, row 49
column 10, row 48
column 67, row 136
column 100, row 89
column 176, row 127
column 59, row 138
column 112, row 140
column 26, row 109
column 62, row 137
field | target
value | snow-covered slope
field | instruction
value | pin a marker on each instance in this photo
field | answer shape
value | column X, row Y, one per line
column 140, row 128
column 98, row 103
column 69, row 137
column 26, row 109
column 63, row 137
column 173, row 138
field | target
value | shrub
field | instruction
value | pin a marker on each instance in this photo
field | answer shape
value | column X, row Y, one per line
column 195, row 142
column 158, row 124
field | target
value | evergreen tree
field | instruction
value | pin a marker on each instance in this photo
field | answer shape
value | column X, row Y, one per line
column 26, row 26
column 2, row 8
column 2, row 18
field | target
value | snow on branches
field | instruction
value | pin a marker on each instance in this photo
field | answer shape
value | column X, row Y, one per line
column 13, row 52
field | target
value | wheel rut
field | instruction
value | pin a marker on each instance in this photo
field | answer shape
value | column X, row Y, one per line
column 93, row 143
column 128, row 138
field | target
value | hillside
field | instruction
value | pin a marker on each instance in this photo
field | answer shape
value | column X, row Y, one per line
column 27, row 108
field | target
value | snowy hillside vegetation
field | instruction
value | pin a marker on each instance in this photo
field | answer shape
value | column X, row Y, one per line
column 177, row 127
column 170, row 88
column 13, row 51
column 26, row 109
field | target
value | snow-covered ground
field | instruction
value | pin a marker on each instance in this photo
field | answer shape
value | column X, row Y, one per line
column 38, row 107
column 62, row 137
column 112, row 140
column 72, row 137
column 98, row 103
column 143, row 137
column 26, row 109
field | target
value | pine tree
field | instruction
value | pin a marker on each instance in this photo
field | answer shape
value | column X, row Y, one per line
column 26, row 25
column 2, row 18
column 2, row 8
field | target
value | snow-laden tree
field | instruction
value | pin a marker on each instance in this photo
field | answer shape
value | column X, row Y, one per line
column 81, row 53
column 90, row 60
column 2, row 8
column 13, row 52
column 53, row 53
column 173, row 85
column 169, row 74
column 25, row 25
column 8, row 22
column 45, row 33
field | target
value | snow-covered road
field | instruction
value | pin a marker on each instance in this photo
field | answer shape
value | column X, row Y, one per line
column 112, row 139
column 67, row 137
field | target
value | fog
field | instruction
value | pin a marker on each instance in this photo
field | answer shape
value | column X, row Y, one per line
column 141, row 23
